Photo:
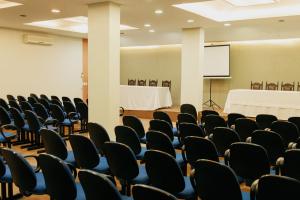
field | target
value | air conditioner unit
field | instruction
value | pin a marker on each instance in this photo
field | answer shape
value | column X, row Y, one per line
column 37, row 39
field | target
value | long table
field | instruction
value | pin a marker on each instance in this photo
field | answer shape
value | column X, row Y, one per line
column 144, row 97
column 282, row 104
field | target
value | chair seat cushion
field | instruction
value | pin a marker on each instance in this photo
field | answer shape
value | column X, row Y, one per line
column 26, row 127
column 6, row 178
column 71, row 159
column 66, row 122
column 176, row 144
column 179, row 159
column 143, row 140
column 140, row 156
column 142, row 178
column 124, row 197
column 40, row 187
column 175, row 131
column 188, row 192
column 103, row 166
column 80, row 192
column 8, row 136
column 246, row 195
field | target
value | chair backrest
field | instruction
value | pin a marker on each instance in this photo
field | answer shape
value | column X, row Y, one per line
column 45, row 103
column 77, row 100
column 159, row 141
column 287, row 130
column 257, row 85
column 275, row 187
column 223, row 137
column 146, row 192
column 207, row 112
column 244, row 127
column 249, row 161
column 271, row 141
column 69, row 107
column 4, row 104
column 33, row 121
column 162, row 116
column 214, row 180
column 4, row 116
column 128, row 136
column 43, row 96
column 98, row 135
column 41, row 111
column 131, row 81
column 19, row 121
column 57, row 102
column 295, row 120
column 57, row 112
column 121, row 160
column 26, row 106
column 142, row 82
column 21, row 98
column 213, row 121
column 153, row 82
column 85, row 152
column 54, row 144
column 134, row 123
column 59, row 180
column 190, row 109
column 53, row 97
column 96, row 186
column 288, row 86
column 22, row 173
column 162, row 126
column 10, row 97
column 271, row 86
column 291, row 164
column 83, row 110
column 265, row 120
column 186, row 118
column 64, row 98
column 199, row 148
column 163, row 171
column 14, row 104
column 232, row 117
column 166, row 83
column 32, row 100
column 189, row 129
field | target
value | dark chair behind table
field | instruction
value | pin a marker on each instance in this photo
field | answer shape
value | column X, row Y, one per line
column 257, row 85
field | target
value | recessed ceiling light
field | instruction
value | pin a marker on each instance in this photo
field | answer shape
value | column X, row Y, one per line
column 152, row 31
column 190, row 21
column 249, row 2
column 147, row 25
column 158, row 12
column 7, row 4
column 55, row 11
column 227, row 24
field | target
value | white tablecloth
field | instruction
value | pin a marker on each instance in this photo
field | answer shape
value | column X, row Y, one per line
column 282, row 104
column 144, row 97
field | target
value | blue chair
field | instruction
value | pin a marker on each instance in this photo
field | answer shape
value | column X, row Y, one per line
column 87, row 155
column 98, row 135
column 289, row 163
column 137, row 125
column 189, row 109
column 245, row 127
column 28, row 180
column 6, row 124
column 213, row 180
column 287, row 130
column 21, row 126
column 164, row 116
column 123, row 165
column 165, row 173
column 99, row 186
column 58, row 178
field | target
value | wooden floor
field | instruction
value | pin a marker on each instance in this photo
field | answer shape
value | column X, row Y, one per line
column 144, row 115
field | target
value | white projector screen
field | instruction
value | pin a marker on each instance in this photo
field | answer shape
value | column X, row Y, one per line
column 216, row 61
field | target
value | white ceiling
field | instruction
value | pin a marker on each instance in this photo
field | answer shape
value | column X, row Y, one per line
column 136, row 13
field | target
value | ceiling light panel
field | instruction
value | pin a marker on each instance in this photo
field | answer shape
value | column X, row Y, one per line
column 221, row 10
column 249, row 2
column 77, row 24
column 7, row 4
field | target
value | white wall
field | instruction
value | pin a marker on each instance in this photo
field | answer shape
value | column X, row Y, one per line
column 28, row 68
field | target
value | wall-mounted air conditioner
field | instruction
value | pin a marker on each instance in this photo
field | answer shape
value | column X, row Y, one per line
column 37, row 39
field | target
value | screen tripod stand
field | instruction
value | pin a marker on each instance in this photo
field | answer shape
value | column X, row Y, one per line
column 210, row 103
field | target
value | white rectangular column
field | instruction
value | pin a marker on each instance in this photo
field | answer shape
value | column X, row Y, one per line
column 104, row 64
column 192, row 64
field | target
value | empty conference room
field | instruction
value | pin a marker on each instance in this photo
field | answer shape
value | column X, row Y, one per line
column 150, row 99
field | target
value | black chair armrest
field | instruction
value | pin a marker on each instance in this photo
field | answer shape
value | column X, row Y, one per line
column 37, row 169
column 253, row 189
column 248, row 139
column 292, row 145
column 210, row 136
column 279, row 164
column 227, row 156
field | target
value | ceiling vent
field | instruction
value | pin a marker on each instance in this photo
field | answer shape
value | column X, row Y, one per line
column 37, row 39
